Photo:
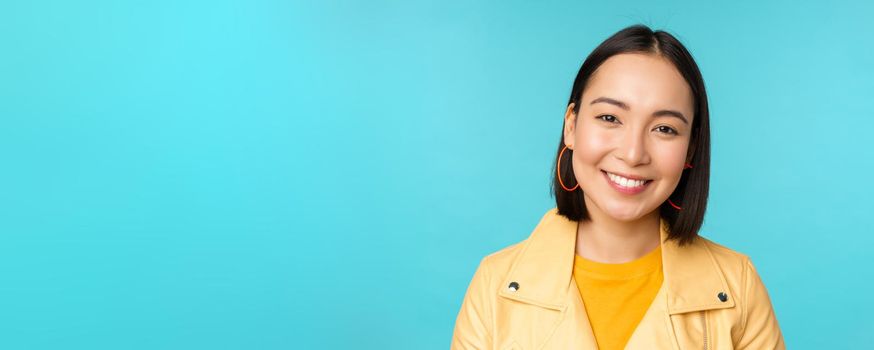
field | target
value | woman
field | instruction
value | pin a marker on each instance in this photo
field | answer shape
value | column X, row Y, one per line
column 618, row 264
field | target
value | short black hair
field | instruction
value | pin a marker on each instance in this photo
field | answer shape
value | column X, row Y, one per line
column 691, row 193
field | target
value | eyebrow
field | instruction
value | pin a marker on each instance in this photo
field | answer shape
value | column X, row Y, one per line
column 623, row 105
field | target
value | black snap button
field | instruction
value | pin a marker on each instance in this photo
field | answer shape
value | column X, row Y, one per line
column 513, row 286
column 722, row 297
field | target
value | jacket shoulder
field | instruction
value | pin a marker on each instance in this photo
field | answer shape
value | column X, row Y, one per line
column 731, row 262
column 724, row 254
column 499, row 261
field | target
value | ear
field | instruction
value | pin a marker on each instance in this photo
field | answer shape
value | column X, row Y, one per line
column 570, row 123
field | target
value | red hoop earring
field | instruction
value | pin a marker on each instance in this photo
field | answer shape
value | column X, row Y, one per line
column 687, row 166
column 558, row 172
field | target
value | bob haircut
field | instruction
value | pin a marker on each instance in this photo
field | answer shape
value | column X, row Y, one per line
column 692, row 190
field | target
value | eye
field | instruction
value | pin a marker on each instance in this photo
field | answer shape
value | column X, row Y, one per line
column 667, row 130
column 605, row 116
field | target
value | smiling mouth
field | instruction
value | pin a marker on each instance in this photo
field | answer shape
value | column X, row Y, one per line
column 626, row 183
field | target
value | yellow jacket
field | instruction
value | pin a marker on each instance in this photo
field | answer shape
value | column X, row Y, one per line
column 711, row 298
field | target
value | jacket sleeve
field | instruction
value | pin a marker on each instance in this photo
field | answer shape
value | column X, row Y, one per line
column 760, row 329
column 473, row 325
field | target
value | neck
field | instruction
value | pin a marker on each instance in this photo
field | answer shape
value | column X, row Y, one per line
column 607, row 240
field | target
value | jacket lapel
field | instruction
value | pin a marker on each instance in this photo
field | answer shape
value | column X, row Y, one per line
column 544, row 273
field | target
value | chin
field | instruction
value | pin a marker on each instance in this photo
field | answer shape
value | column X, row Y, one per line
column 625, row 212
column 624, row 217
column 620, row 210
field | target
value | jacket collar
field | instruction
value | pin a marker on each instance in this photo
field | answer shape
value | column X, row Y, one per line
column 544, row 269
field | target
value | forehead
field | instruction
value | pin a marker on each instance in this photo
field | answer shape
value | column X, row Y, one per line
column 643, row 81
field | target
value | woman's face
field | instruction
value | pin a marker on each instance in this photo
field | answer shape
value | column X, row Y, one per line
column 631, row 122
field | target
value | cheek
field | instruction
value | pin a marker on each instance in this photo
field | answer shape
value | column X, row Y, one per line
column 671, row 158
column 593, row 145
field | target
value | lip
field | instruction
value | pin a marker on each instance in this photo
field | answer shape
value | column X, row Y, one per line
column 626, row 190
column 627, row 176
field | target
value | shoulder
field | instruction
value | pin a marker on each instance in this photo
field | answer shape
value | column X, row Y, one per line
column 500, row 260
column 550, row 226
column 734, row 265
column 726, row 257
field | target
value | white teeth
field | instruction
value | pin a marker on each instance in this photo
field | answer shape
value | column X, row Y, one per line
column 625, row 182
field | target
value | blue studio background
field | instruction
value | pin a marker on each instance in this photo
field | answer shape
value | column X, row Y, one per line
column 327, row 175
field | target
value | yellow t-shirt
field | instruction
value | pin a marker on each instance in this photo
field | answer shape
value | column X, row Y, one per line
column 616, row 296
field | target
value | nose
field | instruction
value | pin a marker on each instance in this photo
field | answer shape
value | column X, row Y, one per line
column 632, row 149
